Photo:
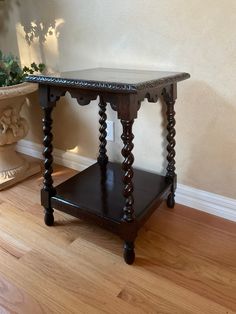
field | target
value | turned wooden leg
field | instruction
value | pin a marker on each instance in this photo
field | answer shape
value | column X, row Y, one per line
column 129, row 253
column 170, row 174
column 128, row 210
column 127, row 137
column 102, row 157
column 48, row 189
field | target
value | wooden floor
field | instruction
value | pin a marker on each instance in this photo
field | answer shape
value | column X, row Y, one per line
column 186, row 261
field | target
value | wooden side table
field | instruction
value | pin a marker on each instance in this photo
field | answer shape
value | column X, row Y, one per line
column 117, row 197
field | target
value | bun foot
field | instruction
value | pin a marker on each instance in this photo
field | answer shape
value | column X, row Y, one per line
column 48, row 219
column 129, row 254
column 171, row 200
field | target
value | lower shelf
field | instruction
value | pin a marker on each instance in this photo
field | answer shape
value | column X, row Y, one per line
column 97, row 194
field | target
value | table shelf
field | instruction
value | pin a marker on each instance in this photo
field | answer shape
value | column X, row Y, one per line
column 97, row 193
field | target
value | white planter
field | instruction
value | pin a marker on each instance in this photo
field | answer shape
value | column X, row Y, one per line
column 13, row 167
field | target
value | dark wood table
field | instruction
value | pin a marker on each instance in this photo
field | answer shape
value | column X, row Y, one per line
column 114, row 196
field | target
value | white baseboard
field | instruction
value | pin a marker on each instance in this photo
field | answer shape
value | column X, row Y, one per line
column 211, row 203
column 205, row 201
column 67, row 159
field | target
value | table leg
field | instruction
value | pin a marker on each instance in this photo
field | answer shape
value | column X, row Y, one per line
column 171, row 175
column 128, row 210
column 127, row 137
column 102, row 157
column 129, row 253
column 48, row 189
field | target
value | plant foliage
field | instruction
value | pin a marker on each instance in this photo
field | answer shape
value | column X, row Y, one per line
column 11, row 72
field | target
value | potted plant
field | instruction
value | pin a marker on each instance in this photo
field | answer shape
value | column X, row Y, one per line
column 13, row 127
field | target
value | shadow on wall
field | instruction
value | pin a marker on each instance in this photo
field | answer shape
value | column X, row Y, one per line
column 6, row 8
column 38, row 40
column 210, row 142
column 38, row 32
column 40, row 25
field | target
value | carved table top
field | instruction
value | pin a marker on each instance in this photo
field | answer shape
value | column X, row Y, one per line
column 119, row 80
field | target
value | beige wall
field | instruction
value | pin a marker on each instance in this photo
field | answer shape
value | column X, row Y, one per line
column 195, row 36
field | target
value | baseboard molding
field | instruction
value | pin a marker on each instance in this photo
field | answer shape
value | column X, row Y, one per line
column 211, row 203
column 67, row 159
column 205, row 201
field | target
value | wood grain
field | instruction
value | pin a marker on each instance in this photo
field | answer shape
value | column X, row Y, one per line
column 16, row 300
column 185, row 261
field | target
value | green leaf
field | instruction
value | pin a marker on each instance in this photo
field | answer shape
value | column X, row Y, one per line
column 41, row 67
column 34, row 66
column 12, row 73
column 3, row 79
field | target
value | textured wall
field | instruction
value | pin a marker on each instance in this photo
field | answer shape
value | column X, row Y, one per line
column 195, row 36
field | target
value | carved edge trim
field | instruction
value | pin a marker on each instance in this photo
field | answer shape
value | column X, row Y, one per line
column 163, row 81
column 107, row 85
column 81, row 83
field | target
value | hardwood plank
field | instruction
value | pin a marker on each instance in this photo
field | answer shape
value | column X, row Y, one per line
column 33, row 225
column 207, row 241
column 87, row 291
column 57, row 299
column 159, row 254
column 26, row 194
column 57, row 250
column 175, row 254
column 148, row 301
column 59, row 272
column 16, row 300
column 12, row 245
column 153, row 282
column 202, row 218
